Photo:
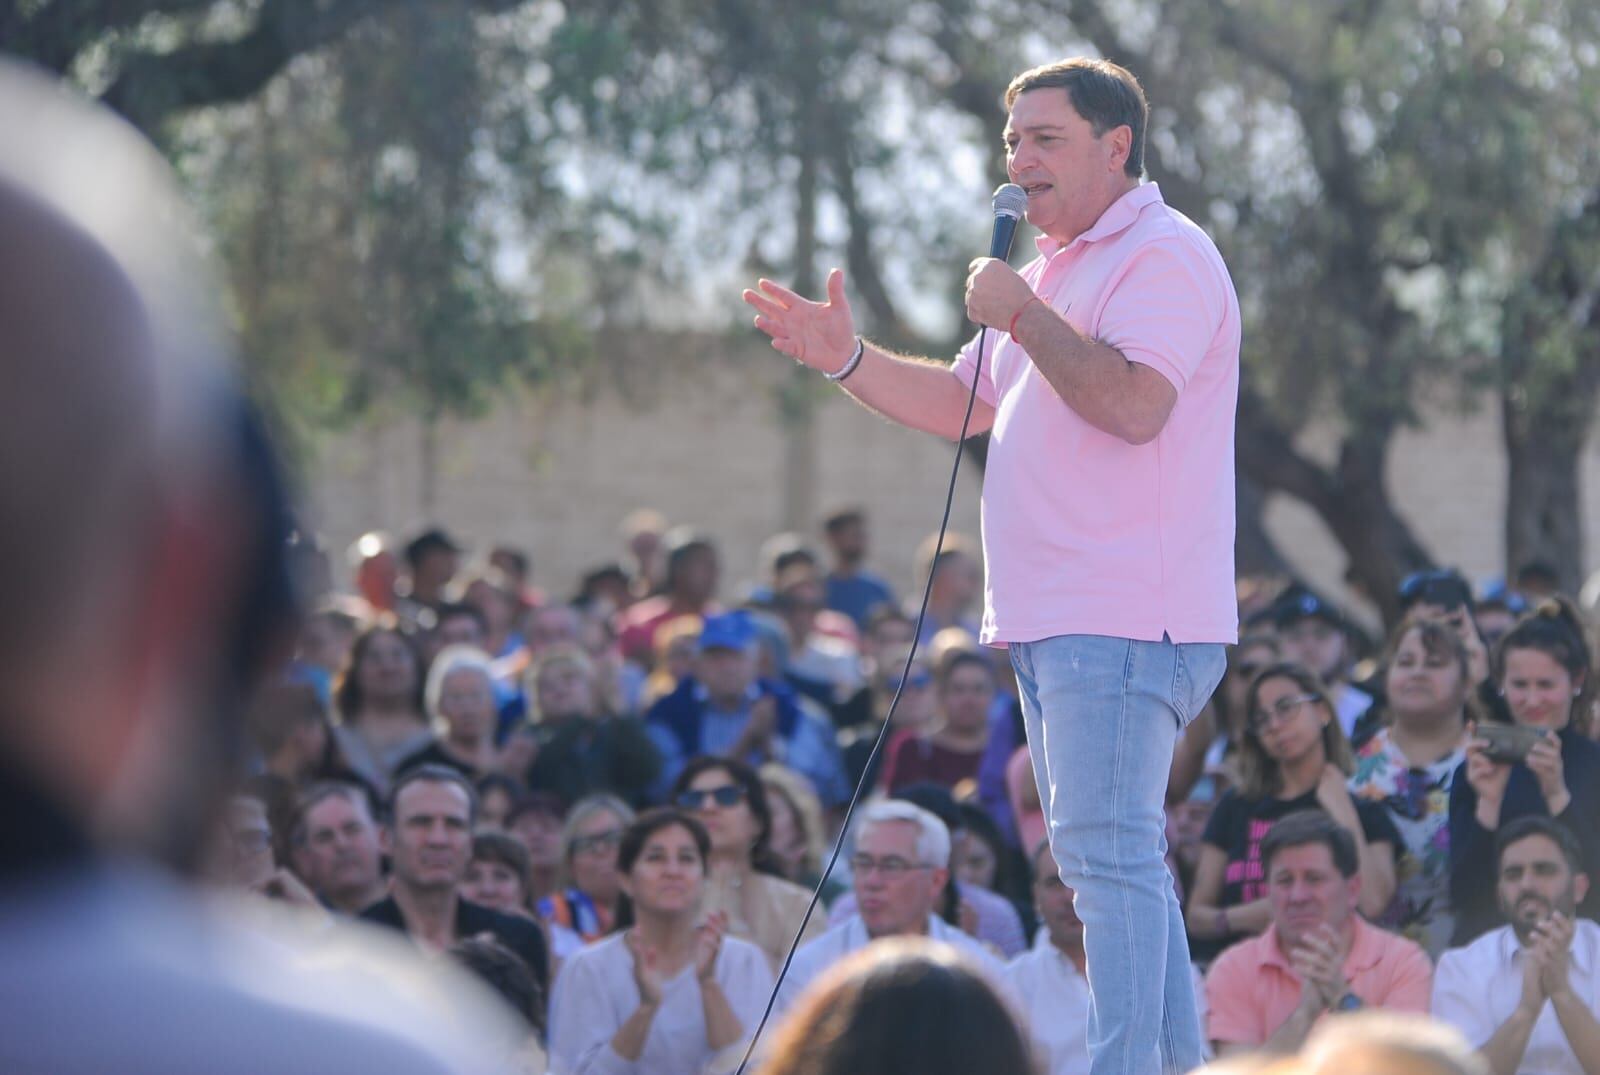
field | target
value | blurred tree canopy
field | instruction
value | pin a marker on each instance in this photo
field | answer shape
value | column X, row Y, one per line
column 420, row 200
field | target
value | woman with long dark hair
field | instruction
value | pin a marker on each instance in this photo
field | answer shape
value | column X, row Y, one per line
column 745, row 881
column 1293, row 756
column 1542, row 667
column 670, row 994
column 380, row 705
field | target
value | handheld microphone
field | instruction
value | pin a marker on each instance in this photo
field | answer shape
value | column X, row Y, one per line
column 1010, row 202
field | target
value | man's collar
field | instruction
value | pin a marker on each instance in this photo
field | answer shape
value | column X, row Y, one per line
column 1118, row 217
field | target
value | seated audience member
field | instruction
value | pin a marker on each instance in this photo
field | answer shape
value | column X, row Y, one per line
column 956, row 589
column 799, row 837
column 240, row 855
column 337, row 848
column 743, row 882
column 1049, row 977
column 1318, row 955
column 1526, row 994
column 497, row 874
column 454, row 624
column 580, row 748
column 1408, row 767
column 503, row 971
column 914, row 714
column 459, row 700
column 677, row 644
column 899, row 870
column 536, row 821
column 429, row 841
column 848, row 587
column 289, row 729
column 379, row 702
column 1293, row 757
column 725, row 709
column 980, row 858
column 902, row 1005
column 589, row 842
column 690, row 587
column 498, row 796
column 670, row 994
column 955, row 749
column 1387, row 1043
column 978, row 912
column 1543, row 669
column 1444, row 596
column 1314, row 635
column 498, row 601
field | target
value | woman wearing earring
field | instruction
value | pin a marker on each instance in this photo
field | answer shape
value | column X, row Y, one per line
column 745, row 879
column 1542, row 667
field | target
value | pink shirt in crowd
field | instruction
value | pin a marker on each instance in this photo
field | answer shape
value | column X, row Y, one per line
column 1252, row 988
column 1084, row 533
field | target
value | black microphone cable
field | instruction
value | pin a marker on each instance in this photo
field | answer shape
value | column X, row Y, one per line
column 1007, row 205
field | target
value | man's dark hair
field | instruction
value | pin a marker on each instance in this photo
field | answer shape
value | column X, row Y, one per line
column 434, row 774
column 1533, row 825
column 843, row 518
column 1103, row 93
column 1305, row 827
column 520, row 563
column 507, row 974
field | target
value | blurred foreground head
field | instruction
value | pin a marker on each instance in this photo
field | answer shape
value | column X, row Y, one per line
column 902, row 1004
column 141, row 515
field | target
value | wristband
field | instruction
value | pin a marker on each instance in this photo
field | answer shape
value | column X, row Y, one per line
column 1012, row 330
column 850, row 366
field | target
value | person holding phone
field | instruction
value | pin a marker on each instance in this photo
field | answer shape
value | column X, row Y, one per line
column 1543, row 765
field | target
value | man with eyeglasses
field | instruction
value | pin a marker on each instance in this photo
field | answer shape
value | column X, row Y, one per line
column 899, row 875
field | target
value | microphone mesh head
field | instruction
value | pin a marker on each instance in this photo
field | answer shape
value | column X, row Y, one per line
column 1010, row 200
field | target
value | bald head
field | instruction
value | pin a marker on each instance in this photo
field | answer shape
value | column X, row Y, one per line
column 123, row 527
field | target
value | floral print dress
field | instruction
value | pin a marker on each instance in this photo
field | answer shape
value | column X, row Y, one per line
column 1418, row 802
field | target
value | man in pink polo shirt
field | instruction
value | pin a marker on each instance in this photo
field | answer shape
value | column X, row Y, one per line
column 1108, row 377
column 1318, row 956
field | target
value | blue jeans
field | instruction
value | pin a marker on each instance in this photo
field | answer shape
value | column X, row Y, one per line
column 1103, row 715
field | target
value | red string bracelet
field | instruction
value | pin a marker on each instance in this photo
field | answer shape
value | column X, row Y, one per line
column 1012, row 331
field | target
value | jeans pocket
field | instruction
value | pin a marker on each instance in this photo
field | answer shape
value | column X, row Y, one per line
column 1200, row 668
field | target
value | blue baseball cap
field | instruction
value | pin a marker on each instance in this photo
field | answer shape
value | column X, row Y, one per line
column 728, row 630
column 1299, row 603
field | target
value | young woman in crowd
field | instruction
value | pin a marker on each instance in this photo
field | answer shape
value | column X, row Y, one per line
column 1292, row 756
column 459, row 700
column 670, row 994
column 379, row 700
column 1409, row 765
column 1542, row 666
column 799, row 839
column 744, row 880
column 593, row 832
column 537, row 821
column 953, row 753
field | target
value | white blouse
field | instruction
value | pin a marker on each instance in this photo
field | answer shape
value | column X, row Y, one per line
column 595, row 994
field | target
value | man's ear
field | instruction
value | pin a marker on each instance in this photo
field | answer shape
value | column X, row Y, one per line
column 937, row 878
column 1580, row 886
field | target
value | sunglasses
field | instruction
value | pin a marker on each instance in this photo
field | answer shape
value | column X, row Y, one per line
column 725, row 796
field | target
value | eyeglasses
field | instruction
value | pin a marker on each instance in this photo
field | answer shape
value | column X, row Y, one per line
column 890, row 866
column 598, row 844
column 725, row 796
column 1282, row 709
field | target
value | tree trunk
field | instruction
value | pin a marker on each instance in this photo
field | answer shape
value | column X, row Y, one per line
column 797, row 403
column 1543, row 496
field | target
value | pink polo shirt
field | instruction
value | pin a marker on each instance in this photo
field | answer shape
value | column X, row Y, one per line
column 1084, row 533
column 1252, row 989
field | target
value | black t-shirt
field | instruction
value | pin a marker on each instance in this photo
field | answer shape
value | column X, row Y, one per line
column 1238, row 825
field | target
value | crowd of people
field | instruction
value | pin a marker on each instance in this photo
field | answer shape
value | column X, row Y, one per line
column 632, row 787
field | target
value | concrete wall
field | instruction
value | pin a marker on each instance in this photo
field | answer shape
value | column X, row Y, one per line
column 557, row 476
